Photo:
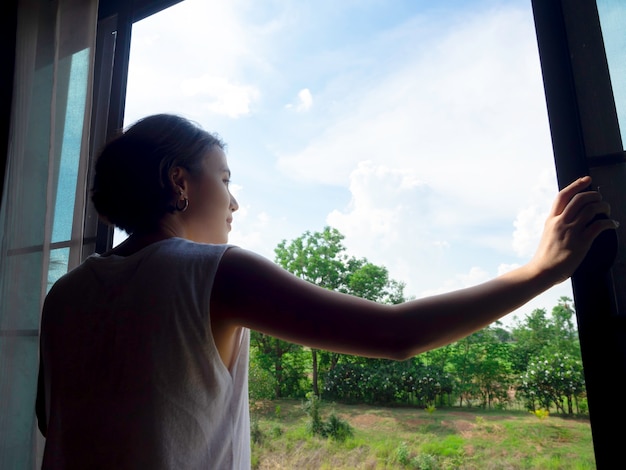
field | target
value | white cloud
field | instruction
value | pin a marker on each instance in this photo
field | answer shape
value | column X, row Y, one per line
column 221, row 96
column 528, row 226
column 389, row 221
column 253, row 228
column 194, row 38
column 506, row 267
column 303, row 102
column 530, row 220
column 385, row 204
column 475, row 276
column 465, row 109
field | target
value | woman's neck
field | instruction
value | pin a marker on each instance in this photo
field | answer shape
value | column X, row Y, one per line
column 138, row 241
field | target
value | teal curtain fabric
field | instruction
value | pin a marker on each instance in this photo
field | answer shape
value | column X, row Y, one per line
column 44, row 191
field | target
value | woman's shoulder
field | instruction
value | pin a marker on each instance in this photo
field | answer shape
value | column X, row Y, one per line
column 190, row 249
column 132, row 249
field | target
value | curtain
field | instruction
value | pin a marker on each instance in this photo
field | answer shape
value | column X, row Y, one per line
column 41, row 217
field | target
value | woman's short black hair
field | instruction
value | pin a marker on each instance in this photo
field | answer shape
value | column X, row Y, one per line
column 131, row 187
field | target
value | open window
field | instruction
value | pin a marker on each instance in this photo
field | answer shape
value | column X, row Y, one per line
column 582, row 53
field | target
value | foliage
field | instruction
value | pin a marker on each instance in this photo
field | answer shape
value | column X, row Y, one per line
column 320, row 258
column 334, row 428
column 286, row 362
column 312, row 408
column 541, row 413
column 261, row 383
column 549, row 380
column 540, row 335
column 481, row 366
column 402, row 454
column 424, row 462
column 256, row 434
column 317, row 257
column 547, row 358
column 384, row 381
column 337, row 428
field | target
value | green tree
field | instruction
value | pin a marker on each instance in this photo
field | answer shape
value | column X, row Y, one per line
column 551, row 380
column 540, row 334
column 285, row 360
column 482, row 368
column 320, row 258
column 565, row 334
column 261, row 382
column 547, row 357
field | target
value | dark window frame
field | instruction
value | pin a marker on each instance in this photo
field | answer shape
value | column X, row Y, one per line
column 115, row 21
column 586, row 140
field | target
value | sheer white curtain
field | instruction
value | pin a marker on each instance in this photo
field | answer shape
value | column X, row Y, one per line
column 44, row 195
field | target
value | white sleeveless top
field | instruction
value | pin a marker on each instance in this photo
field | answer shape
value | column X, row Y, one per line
column 133, row 379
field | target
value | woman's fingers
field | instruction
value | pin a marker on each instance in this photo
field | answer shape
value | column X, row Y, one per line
column 568, row 193
column 584, row 204
column 576, row 219
column 598, row 225
column 585, row 209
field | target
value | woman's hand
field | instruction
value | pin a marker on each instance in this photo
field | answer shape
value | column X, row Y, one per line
column 577, row 217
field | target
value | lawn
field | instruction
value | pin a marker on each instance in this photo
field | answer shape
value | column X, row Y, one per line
column 410, row 438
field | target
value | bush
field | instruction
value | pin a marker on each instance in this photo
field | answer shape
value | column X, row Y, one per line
column 277, row 431
column 424, row 462
column 256, row 434
column 402, row 454
column 261, row 383
column 541, row 413
column 337, row 428
column 386, row 382
column 312, row 408
column 549, row 379
column 334, row 428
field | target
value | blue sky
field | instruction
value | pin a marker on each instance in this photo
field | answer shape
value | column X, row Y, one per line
column 416, row 128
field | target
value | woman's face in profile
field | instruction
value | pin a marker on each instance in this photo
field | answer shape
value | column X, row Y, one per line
column 209, row 216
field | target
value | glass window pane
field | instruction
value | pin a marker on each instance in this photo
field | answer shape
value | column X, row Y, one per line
column 612, row 20
column 70, row 152
column 59, row 260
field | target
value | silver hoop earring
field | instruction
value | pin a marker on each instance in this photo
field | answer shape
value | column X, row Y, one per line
column 185, row 205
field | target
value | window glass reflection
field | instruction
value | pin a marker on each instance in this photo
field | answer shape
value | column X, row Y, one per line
column 612, row 20
column 58, row 265
column 70, row 153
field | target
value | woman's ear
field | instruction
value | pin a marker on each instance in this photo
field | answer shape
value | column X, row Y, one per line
column 179, row 179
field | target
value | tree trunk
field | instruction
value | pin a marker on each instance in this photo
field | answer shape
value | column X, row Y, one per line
column 316, row 390
column 570, row 408
column 278, row 368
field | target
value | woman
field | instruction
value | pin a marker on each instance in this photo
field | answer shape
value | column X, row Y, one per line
column 144, row 349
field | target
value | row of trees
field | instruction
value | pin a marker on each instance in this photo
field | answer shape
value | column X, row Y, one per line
column 538, row 359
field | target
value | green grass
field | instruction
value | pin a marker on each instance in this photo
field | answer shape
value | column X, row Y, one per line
column 409, row 438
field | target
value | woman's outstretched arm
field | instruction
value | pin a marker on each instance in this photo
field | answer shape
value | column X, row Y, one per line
column 253, row 292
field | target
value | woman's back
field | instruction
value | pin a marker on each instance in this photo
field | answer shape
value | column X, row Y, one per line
column 133, row 377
